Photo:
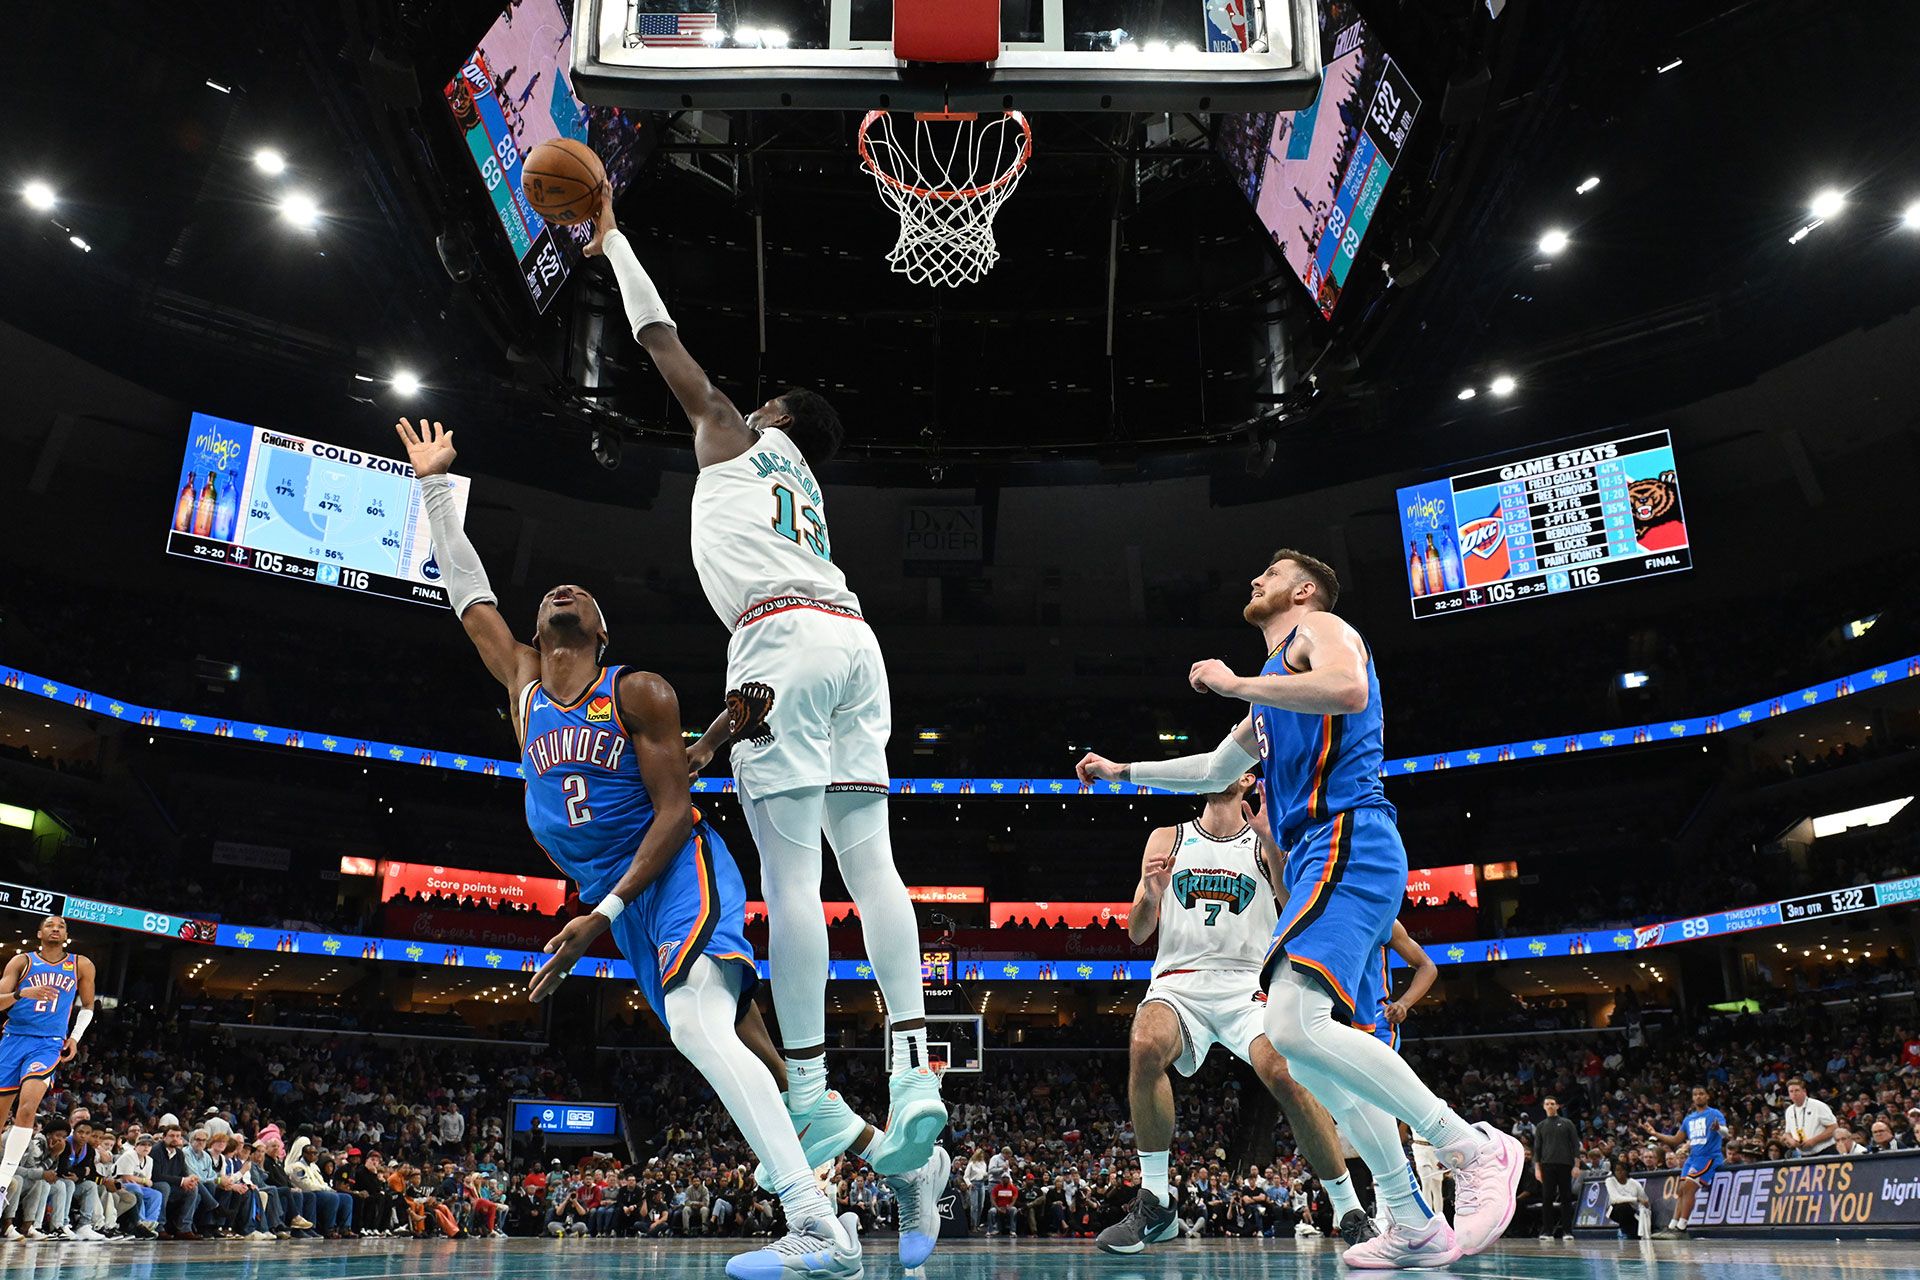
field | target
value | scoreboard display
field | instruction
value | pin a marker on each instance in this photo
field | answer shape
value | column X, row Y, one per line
column 1582, row 516
column 305, row 509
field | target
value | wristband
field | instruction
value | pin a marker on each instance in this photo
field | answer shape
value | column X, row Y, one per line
column 609, row 906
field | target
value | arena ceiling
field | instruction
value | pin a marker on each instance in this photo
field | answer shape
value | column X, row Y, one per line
column 166, row 257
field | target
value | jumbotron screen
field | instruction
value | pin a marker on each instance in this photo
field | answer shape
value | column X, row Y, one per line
column 305, row 509
column 1316, row 176
column 1584, row 516
column 513, row 94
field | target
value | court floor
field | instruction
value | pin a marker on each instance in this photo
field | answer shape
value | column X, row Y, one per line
column 956, row 1260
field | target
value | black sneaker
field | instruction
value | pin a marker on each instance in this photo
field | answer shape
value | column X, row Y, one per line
column 1357, row 1228
column 1147, row 1222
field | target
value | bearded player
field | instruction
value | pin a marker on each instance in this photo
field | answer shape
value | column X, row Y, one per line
column 808, row 714
column 1204, row 887
column 1315, row 732
column 606, row 775
column 39, row 990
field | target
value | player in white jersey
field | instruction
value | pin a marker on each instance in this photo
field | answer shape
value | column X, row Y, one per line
column 808, row 714
column 1205, row 888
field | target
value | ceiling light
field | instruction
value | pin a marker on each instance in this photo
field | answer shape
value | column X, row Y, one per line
column 1828, row 203
column 38, row 195
column 1553, row 242
column 269, row 162
column 407, row 383
column 1802, row 233
column 300, row 209
column 217, row 87
column 1586, row 186
column 1660, row 71
column 1466, row 393
column 1503, row 385
column 80, row 244
column 1911, row 216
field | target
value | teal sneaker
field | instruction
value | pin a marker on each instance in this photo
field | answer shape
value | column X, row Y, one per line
column 827, row 1130
column 914, row 1122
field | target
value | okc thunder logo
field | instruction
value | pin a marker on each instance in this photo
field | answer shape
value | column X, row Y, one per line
column 1482, row 537
column 666, row 953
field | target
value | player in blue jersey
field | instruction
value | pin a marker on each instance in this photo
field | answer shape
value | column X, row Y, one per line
column 40, row 991
column 1701, row 1134
column 607, row 800
column 1315, row 732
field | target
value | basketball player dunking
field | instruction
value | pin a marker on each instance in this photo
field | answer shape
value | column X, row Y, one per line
column 808, row 714
column 1204, row 887
column 1314, row 730
column 39, row 990
column 607, row 800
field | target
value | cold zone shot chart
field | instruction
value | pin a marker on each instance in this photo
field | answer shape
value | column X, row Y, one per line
column 305, row 509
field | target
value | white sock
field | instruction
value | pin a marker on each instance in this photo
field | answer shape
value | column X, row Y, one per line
column 866, row 1152
column 16, row 1151
column 700, row 1012
column 1340, row 1191
column 786, row 831
column 910, row 1049
column 856, row 824
column 806, row 1083
column 1300, row 1024
column 1153, row 1174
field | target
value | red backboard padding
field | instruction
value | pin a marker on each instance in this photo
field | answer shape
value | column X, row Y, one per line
column 946, row 30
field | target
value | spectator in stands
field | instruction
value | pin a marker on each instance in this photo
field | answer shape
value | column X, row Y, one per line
column 173, row 1175
column 1004, row 1198
column 1627, row 1203
column 133, row 1173
column 1808, row 1129
column 1845, row 1144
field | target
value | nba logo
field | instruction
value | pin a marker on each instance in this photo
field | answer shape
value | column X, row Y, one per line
column 326, row 575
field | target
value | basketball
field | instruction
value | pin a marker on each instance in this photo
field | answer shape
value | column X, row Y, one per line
column 563, row 180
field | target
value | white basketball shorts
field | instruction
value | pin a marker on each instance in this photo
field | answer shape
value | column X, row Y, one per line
column 832, row 714
column 1215, row 1006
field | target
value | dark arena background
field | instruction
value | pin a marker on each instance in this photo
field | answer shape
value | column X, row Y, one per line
column 1581, row 338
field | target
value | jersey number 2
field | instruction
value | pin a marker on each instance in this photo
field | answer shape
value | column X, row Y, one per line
column 578, row 815
column 785, row 525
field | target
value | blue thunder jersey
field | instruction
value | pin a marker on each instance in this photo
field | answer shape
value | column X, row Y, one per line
column 586, row 805
column 1317, row 766
column 45, row 1017
column 1703, row 1137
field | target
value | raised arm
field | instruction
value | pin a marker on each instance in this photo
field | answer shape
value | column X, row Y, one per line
column 1201, row 774
column 651, row 713
column 430, row 449
column 719, row 432
column 1156, row 872
column 1334, row 681
column 1424, row 973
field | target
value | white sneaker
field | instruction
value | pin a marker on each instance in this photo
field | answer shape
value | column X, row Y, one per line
column 88, row 1231
column 1398, row 1248
column 918, row 1196
column 822, row 1248
column 35, row 1233
column 11, row 1233
column 260, row 1235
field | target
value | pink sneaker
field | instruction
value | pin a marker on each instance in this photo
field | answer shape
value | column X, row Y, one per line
column 1398, row 1248
column 1483, row 1203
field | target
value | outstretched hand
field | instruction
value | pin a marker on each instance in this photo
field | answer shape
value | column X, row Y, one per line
column 429, row 446
column 566, row 948
column 603, row 225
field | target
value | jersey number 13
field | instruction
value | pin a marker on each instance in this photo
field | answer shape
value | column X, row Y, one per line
column 785, row 524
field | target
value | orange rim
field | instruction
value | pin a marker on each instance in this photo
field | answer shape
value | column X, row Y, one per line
column 934, row 193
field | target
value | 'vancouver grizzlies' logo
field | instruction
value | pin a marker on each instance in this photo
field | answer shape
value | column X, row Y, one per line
column 1233, row 888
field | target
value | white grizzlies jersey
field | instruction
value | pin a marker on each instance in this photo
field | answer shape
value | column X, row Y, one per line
column 1217, row 912
column 760, row 531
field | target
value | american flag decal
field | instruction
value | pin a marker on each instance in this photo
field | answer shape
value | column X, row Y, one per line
column 657, row 30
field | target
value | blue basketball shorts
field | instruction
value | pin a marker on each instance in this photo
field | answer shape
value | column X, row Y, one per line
column 1370, row 1000
column 697, row 907
column 1346, row 879
column 24, row 1058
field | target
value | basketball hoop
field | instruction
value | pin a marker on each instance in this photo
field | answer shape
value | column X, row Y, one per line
column 947, row 183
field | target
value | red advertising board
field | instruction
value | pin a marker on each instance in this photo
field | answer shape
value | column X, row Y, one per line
column 1078, row 915
column 1433, row 886
column 410, row 878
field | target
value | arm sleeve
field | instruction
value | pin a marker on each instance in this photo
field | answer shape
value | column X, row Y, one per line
column 460, row 566
column 1202, row 774
column 637, row 292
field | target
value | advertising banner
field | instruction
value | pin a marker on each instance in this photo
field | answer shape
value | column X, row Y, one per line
column 1826, row 1194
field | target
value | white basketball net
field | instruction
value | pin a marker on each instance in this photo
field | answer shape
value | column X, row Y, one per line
column 947, row 180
